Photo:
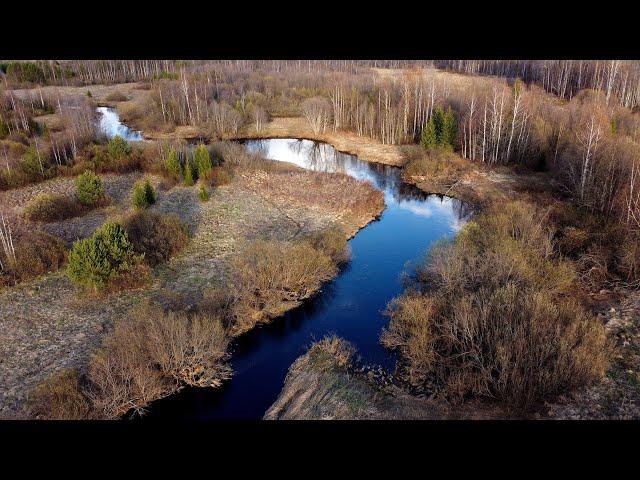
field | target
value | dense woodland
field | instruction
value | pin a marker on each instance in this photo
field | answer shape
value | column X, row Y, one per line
column 590, row 142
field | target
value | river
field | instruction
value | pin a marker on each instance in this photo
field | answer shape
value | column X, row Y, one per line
column 351, row 306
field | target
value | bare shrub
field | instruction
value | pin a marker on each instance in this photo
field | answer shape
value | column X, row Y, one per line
column 155, row 235
column 36, row 253
column 151, row 354
column 270, row 277
column 50, row 207
column 487, row 316
column 59, row 397
column 332, row 241
column 221, row 176
column 317, row 111
column 436, row 162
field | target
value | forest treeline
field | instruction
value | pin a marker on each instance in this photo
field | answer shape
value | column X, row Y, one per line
column 590, row 143
column 564, row 78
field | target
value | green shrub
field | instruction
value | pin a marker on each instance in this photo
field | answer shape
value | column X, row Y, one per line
column 49, row 207
column 156, row 236
column 144, row 194
column 31, row 164
column 203, row 193
column 441, row 129
column 95, row 261
column 202, row 161
column 89, row 189
column 118, row 147
column 173, row 166
column 189, row 174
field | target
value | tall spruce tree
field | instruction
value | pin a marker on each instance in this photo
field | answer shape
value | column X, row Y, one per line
column 429, row 138
column 189, row 173
column 449, row 128
column 203, row 161
column 172, row 165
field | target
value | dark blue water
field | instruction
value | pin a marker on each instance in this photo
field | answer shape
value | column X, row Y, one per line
column 351, row 306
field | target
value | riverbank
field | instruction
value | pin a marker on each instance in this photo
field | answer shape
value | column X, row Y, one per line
column 348, row 393
column 329, row 383
column 47, row 326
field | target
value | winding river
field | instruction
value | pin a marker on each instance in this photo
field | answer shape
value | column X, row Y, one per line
column 350, row 306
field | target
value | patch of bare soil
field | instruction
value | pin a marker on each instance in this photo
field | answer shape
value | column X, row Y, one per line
column 47, row 326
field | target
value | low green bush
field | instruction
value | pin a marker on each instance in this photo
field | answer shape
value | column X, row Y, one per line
column 203, row 193
column 95, row 261
column 189, row 173
column 89, row 189
column 202, row 160
column 172, row 166
column 144, row 195
column 118, row 147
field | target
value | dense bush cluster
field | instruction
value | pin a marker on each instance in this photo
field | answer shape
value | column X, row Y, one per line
column 89, row 189
column 488, row 315
column 144, row 195
column 271, row 276
column 156, row 236
column 36, row 253
column 150, row 354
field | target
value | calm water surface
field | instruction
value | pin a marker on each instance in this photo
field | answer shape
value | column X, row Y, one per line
column 109, row 123
column 351, row 306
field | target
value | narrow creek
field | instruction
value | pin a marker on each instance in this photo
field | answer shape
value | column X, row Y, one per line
column 350, row 306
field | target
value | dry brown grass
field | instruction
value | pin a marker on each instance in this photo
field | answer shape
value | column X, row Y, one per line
column 331, row 352
column 488, row 316
column 59, row 398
